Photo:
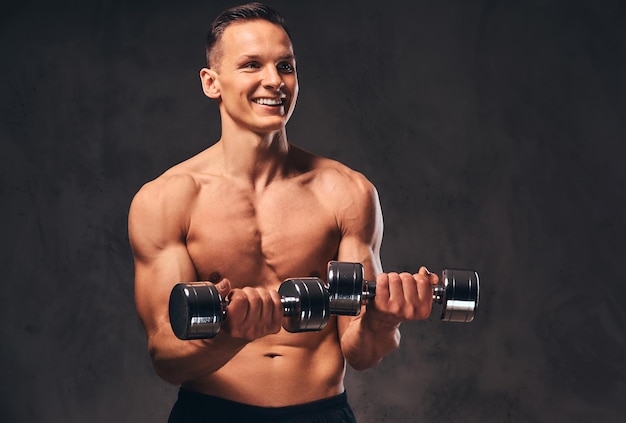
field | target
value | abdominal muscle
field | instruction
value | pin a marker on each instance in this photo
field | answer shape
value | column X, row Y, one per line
column 280, row 370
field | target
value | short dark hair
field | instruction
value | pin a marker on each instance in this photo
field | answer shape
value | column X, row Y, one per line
column 246, row 12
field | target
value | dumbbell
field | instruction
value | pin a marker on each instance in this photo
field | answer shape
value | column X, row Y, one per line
column 197, row 310
column 458, row 291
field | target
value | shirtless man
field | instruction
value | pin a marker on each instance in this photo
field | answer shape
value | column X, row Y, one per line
column 247, row 213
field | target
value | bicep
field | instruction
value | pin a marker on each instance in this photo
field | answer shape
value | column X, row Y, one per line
column 361, row 225
column 161, row 257
column 154, row 279
column 362, row 231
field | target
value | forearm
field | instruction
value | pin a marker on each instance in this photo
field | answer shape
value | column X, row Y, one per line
column 365, row 343
column 178, row 361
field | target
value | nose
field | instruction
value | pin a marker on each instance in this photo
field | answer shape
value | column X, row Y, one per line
column 272, row 79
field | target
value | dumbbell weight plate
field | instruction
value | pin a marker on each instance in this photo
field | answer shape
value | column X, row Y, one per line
column 307, row 305
column 345, row 285
column 195, row 310
column 461, row 295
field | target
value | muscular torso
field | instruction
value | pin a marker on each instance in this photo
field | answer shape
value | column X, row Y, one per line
column 259, row 238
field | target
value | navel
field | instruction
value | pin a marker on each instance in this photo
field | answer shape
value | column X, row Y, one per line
column 272, row 355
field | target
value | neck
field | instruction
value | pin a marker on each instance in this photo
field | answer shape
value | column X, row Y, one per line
column 257, row 159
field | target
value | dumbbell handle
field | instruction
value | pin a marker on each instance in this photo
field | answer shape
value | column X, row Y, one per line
column 369, row 292
column 457, row 291
column 197, row 310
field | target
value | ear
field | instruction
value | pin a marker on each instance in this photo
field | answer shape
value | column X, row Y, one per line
column 210, row 85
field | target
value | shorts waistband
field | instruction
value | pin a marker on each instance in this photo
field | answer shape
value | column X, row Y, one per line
column 234, row 408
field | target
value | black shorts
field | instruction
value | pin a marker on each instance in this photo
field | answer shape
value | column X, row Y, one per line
column 193, row 407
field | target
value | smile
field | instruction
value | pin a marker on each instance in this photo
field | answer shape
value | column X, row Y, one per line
column 269, row 101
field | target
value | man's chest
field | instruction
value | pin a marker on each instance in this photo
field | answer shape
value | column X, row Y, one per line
column 283, row 233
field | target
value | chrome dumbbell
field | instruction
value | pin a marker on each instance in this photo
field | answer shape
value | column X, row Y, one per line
column 458, row 291
column 197, row 310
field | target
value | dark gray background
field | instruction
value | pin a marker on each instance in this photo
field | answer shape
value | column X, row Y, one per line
column 493, row 130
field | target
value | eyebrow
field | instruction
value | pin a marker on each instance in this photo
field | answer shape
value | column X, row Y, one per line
column 288, row 56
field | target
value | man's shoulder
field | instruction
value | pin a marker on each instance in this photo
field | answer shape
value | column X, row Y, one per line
column 181, row 180
column 175, row 188
column 348, row 192
column 172, row 183
column 339, row 186
column 330, row 170
column 334, row 173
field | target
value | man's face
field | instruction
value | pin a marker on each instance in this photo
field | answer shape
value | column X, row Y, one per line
column 256, row 75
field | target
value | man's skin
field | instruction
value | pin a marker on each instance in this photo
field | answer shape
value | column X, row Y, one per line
column 249, row 212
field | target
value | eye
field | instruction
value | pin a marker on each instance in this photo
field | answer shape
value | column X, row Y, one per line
column 285, row 67
column 251, row 65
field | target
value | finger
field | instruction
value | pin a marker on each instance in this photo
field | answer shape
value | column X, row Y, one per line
column 266, row 307
column 418, row 296
column 223, row 288
column 255, row 304
column 382, row 290
column 396, row 291
column 409, row 288
column 423, row 281
column 425, row 293
column 244, row 311
column 433, row 278
column 278, row 311
column 238, row 305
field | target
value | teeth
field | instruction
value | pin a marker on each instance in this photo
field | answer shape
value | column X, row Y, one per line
column 269, row 101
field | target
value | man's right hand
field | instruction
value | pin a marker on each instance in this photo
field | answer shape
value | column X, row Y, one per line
column 252, row 312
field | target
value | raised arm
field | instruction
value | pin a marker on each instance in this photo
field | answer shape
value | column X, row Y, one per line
column 366, row 339
column 157, row 226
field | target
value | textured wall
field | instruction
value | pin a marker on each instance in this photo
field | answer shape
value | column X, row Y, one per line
column 492, row 129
